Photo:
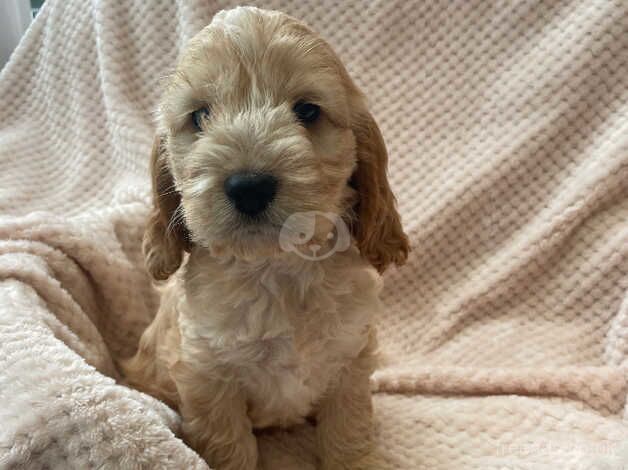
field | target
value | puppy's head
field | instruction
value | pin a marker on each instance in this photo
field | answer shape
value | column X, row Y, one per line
column 261, row 121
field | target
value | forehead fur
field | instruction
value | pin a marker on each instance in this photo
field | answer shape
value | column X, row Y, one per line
column 250, row 57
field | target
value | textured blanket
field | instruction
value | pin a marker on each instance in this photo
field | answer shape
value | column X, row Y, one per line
column 505, row 337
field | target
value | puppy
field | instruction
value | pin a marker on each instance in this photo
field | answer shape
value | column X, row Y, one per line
column 264, row 140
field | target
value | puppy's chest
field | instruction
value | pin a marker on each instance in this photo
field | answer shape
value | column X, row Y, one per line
column 287, row 354
column 282, row 332
column 293, row 371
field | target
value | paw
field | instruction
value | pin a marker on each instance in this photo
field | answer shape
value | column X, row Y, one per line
column 240, row 456
column 359, row 463
column 350, row 455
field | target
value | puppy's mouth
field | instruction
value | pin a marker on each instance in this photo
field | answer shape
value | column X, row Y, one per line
column 260, row 230
column 249, row 238
column 258, row 225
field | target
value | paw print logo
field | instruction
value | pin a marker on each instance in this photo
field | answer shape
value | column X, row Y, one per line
column 314, row 235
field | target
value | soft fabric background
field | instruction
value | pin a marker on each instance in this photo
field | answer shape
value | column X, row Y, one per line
column 505, row 336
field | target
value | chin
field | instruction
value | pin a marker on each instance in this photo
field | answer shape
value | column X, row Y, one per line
column 252, row 242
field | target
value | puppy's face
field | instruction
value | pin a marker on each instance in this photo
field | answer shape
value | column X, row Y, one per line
column 257, row 124
column 261, row 121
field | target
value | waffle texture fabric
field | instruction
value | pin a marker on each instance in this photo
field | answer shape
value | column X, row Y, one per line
column 505, row 337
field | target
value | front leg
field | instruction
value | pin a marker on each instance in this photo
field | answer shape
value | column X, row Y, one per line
column 215, row 420
column 345, row 415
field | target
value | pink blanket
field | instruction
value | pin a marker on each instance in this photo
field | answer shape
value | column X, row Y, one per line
column 505, row 337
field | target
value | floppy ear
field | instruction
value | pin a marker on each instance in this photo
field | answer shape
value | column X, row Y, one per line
column 166, row 236
column 377, row 230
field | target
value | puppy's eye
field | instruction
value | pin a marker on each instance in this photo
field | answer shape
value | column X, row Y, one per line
column 306, row 113
column 199, row 116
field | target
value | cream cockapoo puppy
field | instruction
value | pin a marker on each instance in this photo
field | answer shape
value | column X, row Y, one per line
column 261, row 123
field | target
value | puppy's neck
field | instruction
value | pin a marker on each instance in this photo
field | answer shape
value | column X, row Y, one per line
column 253, row 299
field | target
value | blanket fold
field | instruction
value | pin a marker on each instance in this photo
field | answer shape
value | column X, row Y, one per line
column 504, row 340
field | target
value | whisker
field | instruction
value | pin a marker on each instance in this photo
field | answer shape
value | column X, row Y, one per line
column 168, row 193
column 177, row 218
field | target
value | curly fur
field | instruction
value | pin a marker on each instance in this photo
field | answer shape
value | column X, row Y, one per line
column 249, row 336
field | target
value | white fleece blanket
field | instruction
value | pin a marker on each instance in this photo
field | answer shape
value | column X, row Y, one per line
column 505, row 336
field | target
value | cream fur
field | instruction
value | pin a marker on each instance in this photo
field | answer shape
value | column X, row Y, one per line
column 249, row 336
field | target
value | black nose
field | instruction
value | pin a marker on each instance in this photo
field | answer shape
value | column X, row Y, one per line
column 251, row 192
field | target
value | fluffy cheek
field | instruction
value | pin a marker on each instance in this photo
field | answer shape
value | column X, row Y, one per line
column 200, row 219
column 207, row 210
column 335, row 150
